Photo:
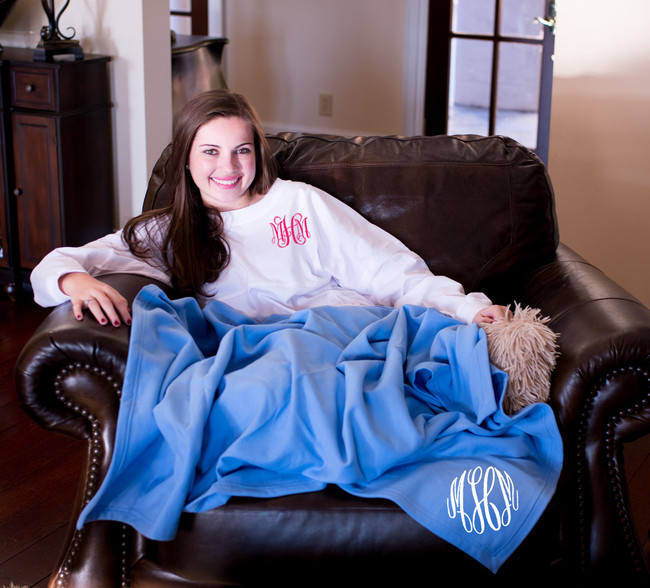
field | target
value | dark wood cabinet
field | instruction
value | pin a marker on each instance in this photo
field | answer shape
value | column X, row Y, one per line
column 56, row 168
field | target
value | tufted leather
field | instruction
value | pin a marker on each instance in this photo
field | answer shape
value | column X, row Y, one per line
column 478, row 209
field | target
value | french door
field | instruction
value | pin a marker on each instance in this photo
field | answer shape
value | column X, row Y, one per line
column 490, row 69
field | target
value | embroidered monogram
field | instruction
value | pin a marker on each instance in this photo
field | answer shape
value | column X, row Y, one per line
column 295, row 230
column 483, row 499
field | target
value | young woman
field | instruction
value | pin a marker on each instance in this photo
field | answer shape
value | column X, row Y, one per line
column 236, row 232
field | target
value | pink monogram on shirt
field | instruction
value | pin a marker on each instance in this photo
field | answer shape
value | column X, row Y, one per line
column 294, row 230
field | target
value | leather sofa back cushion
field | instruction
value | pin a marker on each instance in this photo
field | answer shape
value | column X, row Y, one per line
column 478, row 209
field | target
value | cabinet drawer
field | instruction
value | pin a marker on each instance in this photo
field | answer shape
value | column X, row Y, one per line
column 33, row 88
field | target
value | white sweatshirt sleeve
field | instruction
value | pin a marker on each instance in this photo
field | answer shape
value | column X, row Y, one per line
column 404, row 278
column 107, row 255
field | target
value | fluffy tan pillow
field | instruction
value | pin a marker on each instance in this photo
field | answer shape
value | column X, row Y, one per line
column 524, row 347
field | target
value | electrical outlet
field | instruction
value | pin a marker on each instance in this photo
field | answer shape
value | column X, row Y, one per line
column 325, row 104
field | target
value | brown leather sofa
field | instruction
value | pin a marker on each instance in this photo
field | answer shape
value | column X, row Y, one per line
column 480, row 210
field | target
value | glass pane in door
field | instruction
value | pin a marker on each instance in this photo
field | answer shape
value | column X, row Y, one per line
column 473, row 16
column 518, row 18
column 518, row 88
column 469, row 87
column 181, row 25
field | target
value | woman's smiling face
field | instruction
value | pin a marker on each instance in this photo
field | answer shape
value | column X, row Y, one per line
column 222, row 163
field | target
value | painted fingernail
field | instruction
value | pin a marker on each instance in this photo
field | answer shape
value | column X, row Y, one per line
column 103, row 321
column 116, row 323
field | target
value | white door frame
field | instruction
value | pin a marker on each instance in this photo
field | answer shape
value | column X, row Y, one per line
column 415, row 63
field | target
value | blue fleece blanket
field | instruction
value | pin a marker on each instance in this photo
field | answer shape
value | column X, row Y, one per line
column 400, row 404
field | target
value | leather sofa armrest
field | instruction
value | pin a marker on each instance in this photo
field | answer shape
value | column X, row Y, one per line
column 601, row 395
column 604, row 334
column 70, row 369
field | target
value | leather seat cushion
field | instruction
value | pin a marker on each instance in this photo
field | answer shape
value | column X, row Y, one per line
column 315, row 534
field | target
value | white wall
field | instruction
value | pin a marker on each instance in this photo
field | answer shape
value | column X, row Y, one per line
column 135, row 33
column 284, row 53
column 599, row 157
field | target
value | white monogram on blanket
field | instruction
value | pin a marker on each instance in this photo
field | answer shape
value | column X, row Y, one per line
column 482, row 499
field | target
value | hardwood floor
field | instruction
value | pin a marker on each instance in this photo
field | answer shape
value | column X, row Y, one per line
column 39, row 471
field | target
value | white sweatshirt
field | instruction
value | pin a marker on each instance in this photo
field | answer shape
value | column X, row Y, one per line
column 298, row 247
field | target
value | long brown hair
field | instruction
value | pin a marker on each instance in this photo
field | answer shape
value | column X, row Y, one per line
column 193, row 248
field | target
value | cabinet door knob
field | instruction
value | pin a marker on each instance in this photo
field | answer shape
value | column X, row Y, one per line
column 29, row 88
column 17, row 192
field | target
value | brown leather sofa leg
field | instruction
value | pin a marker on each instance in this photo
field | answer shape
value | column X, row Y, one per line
column 91, row 559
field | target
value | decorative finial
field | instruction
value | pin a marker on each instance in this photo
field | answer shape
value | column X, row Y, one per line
column 53, row 41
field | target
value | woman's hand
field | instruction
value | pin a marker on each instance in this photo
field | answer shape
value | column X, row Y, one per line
column 490, row 314
column 104, row 302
